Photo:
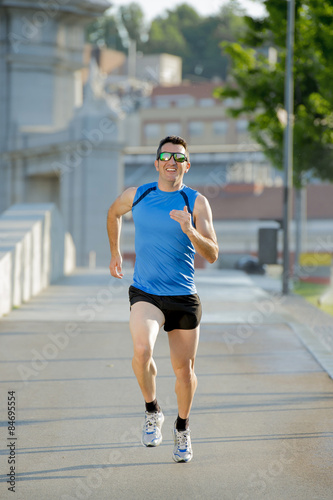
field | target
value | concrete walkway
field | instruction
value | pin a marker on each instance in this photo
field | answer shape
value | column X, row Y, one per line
column 262, row 420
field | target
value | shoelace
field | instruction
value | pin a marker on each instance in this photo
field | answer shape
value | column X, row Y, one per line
column 182, row 439
column 151, row 421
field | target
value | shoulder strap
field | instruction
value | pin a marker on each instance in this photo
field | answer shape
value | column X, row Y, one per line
column 187, row 203
column 144, row 194
column 189, row 196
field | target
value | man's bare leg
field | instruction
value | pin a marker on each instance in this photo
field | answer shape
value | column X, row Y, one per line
column 145, row 323
column 183, row 348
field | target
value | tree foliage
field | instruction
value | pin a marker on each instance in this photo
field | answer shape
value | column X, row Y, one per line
column 115, row 30
column 104, row 32
column 259, row 83
column 181, row 32
column 132, row 17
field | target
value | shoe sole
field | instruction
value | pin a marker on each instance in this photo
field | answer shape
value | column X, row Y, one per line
column 181, row 460
column 151, row 445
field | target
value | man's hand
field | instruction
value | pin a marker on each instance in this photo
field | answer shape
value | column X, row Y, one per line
column 202, row 236
column 184, row 218
column 115, row 267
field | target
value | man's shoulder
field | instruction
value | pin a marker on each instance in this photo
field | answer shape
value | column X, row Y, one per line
column 202, row 204
column 142, row 191
column 190, row 191
column 200, row 201
column 188, row 188
column 145, row 187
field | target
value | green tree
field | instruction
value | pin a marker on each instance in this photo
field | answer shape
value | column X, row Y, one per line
column 115, row 30
column 259, row 83
column 183, row 32
column 167, row 34
column 132, row 18
column 104, row 31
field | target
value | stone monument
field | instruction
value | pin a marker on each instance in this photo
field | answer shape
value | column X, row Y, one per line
column 57, row 143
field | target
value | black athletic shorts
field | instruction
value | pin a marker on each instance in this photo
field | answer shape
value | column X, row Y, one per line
column 180, row 311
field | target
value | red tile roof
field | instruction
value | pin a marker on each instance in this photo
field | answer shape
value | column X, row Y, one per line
column 198, row 90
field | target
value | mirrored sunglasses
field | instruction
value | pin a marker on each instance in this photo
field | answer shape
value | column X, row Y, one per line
column 179, row 157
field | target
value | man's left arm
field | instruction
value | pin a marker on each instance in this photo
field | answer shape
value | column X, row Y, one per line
column 202, row 236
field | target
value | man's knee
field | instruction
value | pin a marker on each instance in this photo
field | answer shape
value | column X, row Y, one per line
column 185, row 373
column 142, row 353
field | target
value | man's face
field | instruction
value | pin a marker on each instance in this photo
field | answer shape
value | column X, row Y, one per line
column 172, row 170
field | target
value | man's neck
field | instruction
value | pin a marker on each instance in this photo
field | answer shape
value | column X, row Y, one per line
column 169, row 186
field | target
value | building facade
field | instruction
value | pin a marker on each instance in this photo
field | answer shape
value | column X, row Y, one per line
column 222, row 150
column 191, row 111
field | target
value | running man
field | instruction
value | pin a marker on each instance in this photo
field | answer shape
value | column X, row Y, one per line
column 172, row 223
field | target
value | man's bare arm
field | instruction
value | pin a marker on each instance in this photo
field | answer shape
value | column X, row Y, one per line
column 119, row 207
column 203, row 236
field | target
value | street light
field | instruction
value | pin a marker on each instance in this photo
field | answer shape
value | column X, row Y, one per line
column 288, row 145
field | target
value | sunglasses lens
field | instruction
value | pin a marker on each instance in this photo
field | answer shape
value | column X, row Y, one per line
column 165, row 156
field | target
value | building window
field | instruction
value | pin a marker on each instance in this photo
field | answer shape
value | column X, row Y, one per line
column 162, row 102
column 220, row 127
column 196, row 128
column 152, row 130
column 185, row 102
column 207, row 102
column 172, row 128
column 242, row 126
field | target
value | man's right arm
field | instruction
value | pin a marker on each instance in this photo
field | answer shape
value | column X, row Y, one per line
column 119, row 207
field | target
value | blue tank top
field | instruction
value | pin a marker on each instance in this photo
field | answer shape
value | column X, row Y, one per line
column 164, row 262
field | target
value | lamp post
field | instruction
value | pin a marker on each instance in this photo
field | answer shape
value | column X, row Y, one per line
column 288, row 145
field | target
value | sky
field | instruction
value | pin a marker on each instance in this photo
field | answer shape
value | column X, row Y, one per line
column 153, row 8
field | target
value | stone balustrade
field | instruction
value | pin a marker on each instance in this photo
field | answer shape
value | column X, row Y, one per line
column 35, row 250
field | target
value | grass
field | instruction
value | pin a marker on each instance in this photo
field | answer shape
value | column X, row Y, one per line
column 312, row 293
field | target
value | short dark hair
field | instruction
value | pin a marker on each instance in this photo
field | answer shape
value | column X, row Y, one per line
column 174, row 139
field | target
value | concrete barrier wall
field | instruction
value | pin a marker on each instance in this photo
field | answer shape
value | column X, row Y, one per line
column 35, row 251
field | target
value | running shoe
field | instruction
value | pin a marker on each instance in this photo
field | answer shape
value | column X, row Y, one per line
column 182, row 451
column 151, row 432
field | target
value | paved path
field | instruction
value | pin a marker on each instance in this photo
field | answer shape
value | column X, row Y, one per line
column 262, row 420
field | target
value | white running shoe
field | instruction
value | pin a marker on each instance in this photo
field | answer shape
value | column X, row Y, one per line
column 151, row 432
column 182, row 451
